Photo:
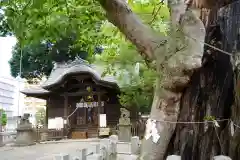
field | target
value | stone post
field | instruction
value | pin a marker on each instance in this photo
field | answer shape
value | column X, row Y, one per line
column 104, row 143
column 135, row 145
column 76, row 158
column 113, row 147
column 221, row 157
column 97, row 148
column 173, row 157
column 95, row 157
column 83, row 153
column 124, row 126
column 62, row 157
column 113, row 143
column 104, row 147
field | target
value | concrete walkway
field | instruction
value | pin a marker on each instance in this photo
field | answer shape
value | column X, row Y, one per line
column 46, row 151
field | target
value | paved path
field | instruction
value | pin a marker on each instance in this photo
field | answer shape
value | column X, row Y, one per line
column 44, row 151
column 47, row 150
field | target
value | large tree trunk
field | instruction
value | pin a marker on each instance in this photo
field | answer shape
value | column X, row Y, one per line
column 211, row 93
column 176, row 56
column 166, row 104
column 234, row 149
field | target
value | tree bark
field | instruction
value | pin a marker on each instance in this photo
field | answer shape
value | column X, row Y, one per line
column 172, row 62
column 142, row 36
column 234, row 149
column 210, row 93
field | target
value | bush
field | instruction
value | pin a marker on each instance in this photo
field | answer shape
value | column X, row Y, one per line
column 4, row 117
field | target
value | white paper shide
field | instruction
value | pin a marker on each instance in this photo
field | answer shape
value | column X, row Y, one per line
column 151, row 131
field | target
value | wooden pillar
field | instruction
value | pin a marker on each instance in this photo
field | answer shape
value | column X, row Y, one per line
column 46, row 115
column 99, row 103
column 99, row 107
column 65, row 115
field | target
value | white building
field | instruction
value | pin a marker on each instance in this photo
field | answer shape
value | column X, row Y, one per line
column 33, row 105
column 11, row 100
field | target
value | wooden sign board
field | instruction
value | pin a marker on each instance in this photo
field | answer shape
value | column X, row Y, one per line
column 104, row 131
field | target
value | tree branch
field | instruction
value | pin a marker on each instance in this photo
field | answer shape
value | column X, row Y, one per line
column 142, row 36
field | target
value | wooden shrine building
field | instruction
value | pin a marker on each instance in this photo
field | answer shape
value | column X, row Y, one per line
column 76, row 92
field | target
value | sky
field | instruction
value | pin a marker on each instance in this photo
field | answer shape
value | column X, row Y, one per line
column 6, row 45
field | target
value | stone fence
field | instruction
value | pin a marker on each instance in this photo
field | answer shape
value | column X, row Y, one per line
column 107, row 149
column 221, row 157
column 7, row 137
column 112, row 149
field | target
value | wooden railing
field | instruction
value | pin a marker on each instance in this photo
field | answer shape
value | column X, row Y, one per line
column 51, row 134
column 135, row 130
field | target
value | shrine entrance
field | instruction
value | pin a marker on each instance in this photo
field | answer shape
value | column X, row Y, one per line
column 85, row 113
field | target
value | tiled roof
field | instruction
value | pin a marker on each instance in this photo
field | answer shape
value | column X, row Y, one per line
column 61, row 70
column 35, row 90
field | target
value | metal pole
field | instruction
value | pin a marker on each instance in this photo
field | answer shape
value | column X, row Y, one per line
column 1, row 136
column 20, row 74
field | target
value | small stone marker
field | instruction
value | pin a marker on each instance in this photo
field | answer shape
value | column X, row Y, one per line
column 103, row 152
column 95, row 157
column 62, row 157
column 221, row 157
column 114, row 138
column 98, row 148
column 113, row 144
column 76, row 158
column 135, row 145
column 173, row 157
column 104, row 143
column 83, row 153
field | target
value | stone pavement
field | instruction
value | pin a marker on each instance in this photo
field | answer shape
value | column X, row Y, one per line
column 45, row 151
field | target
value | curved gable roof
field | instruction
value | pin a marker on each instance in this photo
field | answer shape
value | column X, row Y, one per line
column 79, row 66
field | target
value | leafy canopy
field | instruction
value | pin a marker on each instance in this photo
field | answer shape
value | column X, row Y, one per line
column 49, row 20
column 37, row 59
column 136, row 76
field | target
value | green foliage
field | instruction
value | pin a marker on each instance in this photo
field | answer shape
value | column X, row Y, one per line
column 50, row 20
column 37, row 59
column 40, row 116
column 4, row 117
column 135, row 77
column 152, row 12
column 4, row 28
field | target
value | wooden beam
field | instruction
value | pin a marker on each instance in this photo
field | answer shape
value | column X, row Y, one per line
column 81, row 93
